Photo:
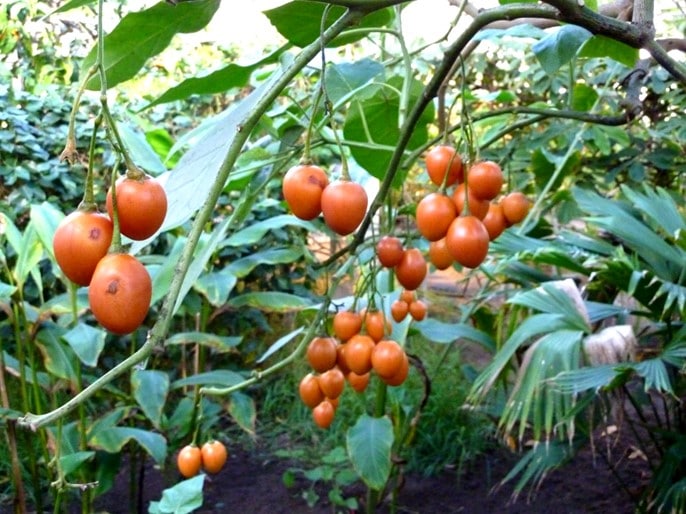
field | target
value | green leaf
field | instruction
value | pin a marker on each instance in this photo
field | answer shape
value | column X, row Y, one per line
column 280, row 343
column 558, row 48
column 113, row 439
column 243, row 266
column 87, row 343
column 441, row 332
column 270, row 301
column 218, row 378
column 44, row 380
column 584, row 97
column 369, row 444
column 655, row 374
column 45, row 218
column 603, row 46
column 140, row 150
column 184, row 497
column 559, row 297
column 220, row 344
column 6, row 291
column 374, row 122
column 524, row 30
column 29, row 254
column 70, row 463
column 586, row 379
column 255, row 232
column 144, row 34
column 58, row 358
column 216, row 286
column 230, row 76
column 300, row 22
column 242, row 410
column 347, row 78
column 150, row 388
column 72, row 4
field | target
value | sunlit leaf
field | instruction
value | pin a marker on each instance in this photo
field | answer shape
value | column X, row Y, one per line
column 144, row 34
column 270, row 301
column 603, row 46
column 140, row 150
column 280, row 343
column 558, row 48
column 345, row 79
column 183, row 498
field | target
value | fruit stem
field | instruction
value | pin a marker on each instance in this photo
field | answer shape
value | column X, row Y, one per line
column 70, row 153
column 88, row 203
column 116, row 246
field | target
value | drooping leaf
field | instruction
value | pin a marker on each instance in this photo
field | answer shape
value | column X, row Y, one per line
column 220, row 344
column 558, row 48
column 255, row 232
column 144, row 34
column 270, row 301
column 182, row 498
column 87, row 343
column 369, row 444
column 300, row 22
column 218, row 378
column 242, row 410
column 584, row 97
column 150, row 388
column 216, row 286
column 113, row 440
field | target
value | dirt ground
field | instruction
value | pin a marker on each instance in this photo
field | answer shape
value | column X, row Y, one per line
column 252, row 483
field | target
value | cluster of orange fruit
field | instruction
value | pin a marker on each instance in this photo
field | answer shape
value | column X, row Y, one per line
column 460, row 225
column 308, row 193
column 359, row 347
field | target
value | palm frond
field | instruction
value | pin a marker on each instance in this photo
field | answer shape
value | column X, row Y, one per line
column 660, row 208
column 557, row 297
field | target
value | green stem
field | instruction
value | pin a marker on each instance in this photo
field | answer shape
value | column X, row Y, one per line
column 379, row 410
column 88, row 202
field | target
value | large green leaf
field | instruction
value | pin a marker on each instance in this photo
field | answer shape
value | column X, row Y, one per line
column 270, row 301
column 374, row 124
column 182, row 498
column 216, row 286
column 242, row 410
column 140, row 150
column 70, row 463
column 150, row 388
column 45, row 218
column 280, row 343
column 603, row 46
column 113, row 439
column 300, row 22
column 144, row 34
column 369, row 444
column 255, row 232
column 58, row 357
column 561, row 298
column 347, row 78
column 87, row 343
column 558, row 48
column 230, row 76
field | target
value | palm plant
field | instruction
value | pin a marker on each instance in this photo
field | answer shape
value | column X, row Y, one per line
column 570, row 357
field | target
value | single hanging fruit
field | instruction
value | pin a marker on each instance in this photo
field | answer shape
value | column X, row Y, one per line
column 141, row 204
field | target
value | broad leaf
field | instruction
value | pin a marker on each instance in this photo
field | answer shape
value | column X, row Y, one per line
column 369, row 444
column 140, row 150
column 242, row 410
column 182, row 498
column 558, row 48
column 87, row 343
column 255, row 232
column 603, row 46
column 45, row 218
column 375, row 123
column 345, row 79
column 58, row 357
column 144, row 34
column 150, row 388
column 243, row 266
column 70, row 463
column 300, row 22
column 113, row 439
column 216, row 286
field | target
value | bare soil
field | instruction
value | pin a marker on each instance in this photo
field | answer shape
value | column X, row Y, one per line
column 252, row 483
